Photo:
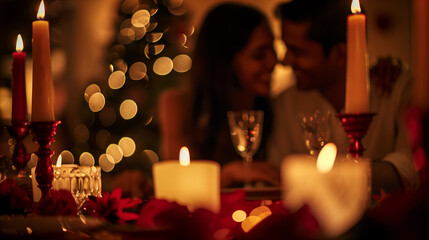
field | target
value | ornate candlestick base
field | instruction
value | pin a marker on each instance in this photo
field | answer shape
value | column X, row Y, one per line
column 43, row 134
column 20, row 158
column 356, row 125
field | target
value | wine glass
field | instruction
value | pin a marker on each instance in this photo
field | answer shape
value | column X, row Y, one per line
column 246, row 131
column 316, row 130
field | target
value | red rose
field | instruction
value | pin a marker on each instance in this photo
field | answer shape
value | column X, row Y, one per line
column 162, row 213
column 60, row 202
column 111, row 207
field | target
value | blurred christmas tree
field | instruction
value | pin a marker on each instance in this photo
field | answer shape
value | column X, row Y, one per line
column 149, row 55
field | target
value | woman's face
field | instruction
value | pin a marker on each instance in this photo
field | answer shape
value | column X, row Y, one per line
column 255, row 62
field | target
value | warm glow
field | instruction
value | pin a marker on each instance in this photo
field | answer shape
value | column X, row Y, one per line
column 96, row 102
column 116, row 79
column 41, row 12
column 326, row 158
column 90, row 90
column 140, row 18
column 184, row 158
column 128, row 146
column 116, row 152
column 107, row 163
column 128, row 109
column 182, row 63
column 249, row 223
column 86, row 159
column 138, row 71
column 239, row 215
column 59, row 161
column 19, row 43
column 261, row 211
column 163, row 66
column 355, row 6
column 66, row 157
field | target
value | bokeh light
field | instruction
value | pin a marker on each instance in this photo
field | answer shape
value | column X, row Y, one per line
column 140, row 32
column 182, row 63
column 115, row 151
column 154, row 36
column 86, row 159
column 96, row 102
column 239, row 215
column 249, row 223
column 129, row 6
column 120, row 65
column 153, row 157
column 174, row 3
column 163, row 66
column 67, row 157
column 138, row 71
column 106, row 162
column 127, row 145
column 81, row 133
column 126, row 36
column 152, row 26
column 128, row 109
column 153, row 49
column 90, row 90
column 116, row 79
column 261, row 211
column 140, row 18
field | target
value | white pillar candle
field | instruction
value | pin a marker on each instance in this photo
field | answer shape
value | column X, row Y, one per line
column 195, row 185
column 357, row 100
column 337, row 198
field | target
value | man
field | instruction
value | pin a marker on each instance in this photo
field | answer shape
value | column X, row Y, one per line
column 314, row 32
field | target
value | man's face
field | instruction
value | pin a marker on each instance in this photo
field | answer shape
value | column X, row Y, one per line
column 305, row 56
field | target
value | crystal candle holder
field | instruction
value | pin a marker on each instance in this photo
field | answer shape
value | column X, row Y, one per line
column 81, row 181
column 19, row 130
column 356, row 126
column 43, row 134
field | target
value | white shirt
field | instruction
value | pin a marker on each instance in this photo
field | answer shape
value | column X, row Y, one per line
column 386, row 138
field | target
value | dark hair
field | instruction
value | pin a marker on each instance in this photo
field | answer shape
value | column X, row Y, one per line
column 328, row 19
column 224, row 32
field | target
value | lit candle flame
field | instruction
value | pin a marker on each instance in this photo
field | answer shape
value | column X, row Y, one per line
column 355, row 6
column 59, row 161
column 326, row 158
column 41, row 12
column 19, row 43
column 184, row 158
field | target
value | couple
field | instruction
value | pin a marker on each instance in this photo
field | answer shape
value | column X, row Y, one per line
column 232, row 65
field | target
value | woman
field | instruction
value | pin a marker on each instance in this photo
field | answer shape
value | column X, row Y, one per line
column 232, row 65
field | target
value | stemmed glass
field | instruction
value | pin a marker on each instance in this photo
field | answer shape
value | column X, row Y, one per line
column 316, row 130
column 246, row 131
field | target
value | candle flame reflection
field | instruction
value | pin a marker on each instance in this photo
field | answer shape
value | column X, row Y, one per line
column 326, row 158
column 184, row 158
column 41, row 12
column 19, row 43
column 59, row 161
column 355, row 7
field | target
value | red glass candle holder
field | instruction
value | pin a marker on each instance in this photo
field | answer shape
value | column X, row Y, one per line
column 19, row 130
column 43, row 134
column 356, row 126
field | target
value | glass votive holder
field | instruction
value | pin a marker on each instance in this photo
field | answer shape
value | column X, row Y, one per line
column 81, row 181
